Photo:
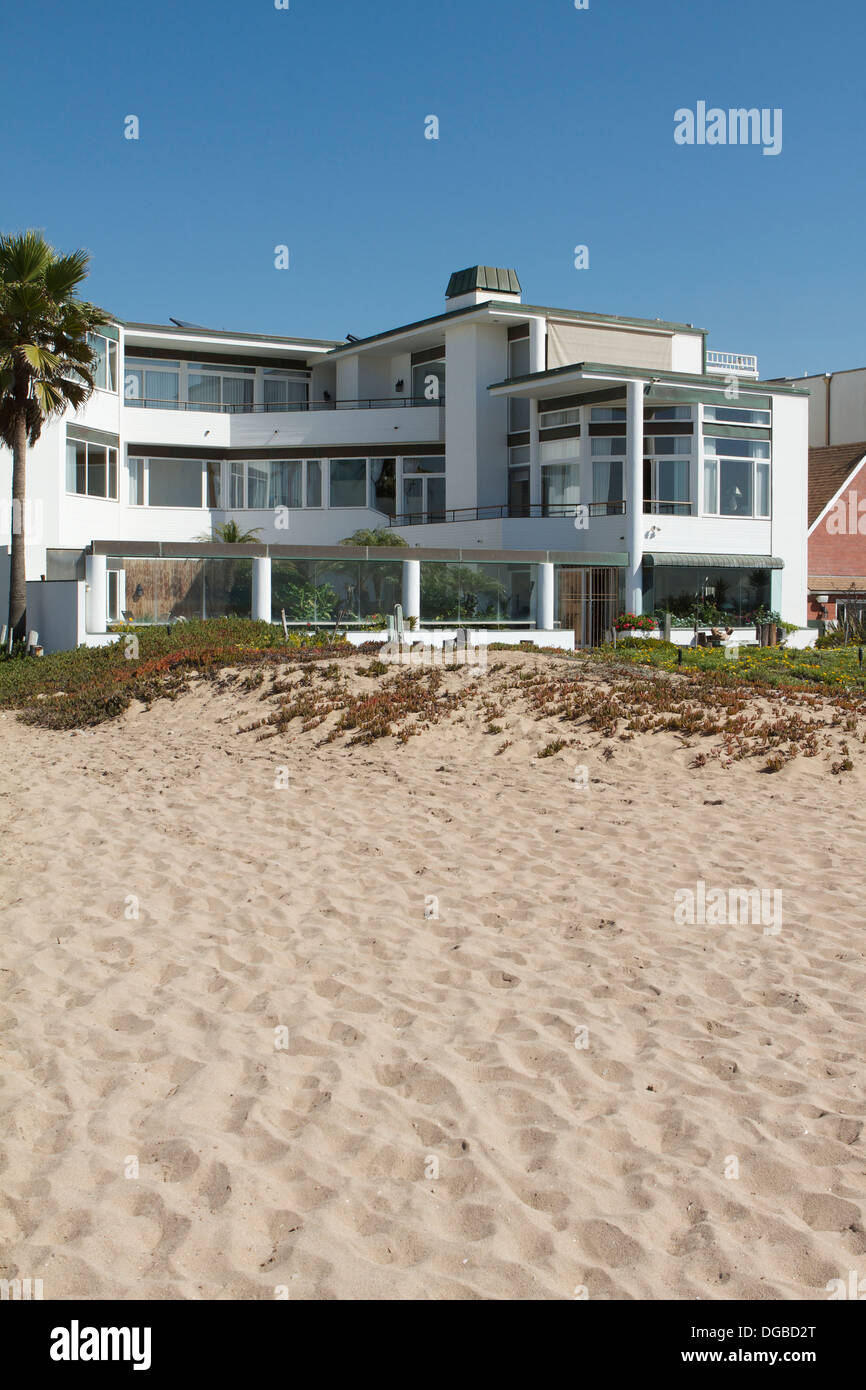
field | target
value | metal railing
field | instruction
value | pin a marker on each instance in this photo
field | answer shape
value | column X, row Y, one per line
column 281, row 407
column 503, row 511
column 659, row 508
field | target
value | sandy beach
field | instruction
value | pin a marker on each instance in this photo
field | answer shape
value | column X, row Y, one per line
column 289, row 1018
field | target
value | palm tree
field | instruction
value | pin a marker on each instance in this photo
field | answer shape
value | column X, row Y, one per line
column 231, row 534
column 46, row 366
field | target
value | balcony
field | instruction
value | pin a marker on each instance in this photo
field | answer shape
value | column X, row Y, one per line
column 731, row 364
column 502, row 511
column 283, row 407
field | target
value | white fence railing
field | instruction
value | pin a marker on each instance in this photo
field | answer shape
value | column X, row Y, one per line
column 737, row 363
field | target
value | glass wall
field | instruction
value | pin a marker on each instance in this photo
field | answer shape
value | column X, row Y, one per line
column 329, row 591
column 161, row 591
column 482, row 593
column 720, row 593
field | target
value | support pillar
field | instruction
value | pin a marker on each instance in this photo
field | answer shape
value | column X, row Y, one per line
column 262, row 588
column 634, row 496
column 96, row 593
column 544, row 598
column 412, row 589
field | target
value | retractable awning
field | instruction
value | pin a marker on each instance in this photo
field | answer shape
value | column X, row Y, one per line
column 666, row 558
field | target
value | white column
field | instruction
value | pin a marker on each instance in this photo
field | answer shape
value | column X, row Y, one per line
column 262, row 588
column 412, row 589
column 95, row 600
column 544, row 598
column 537, row 345
column 634, row 495
column 537, row 363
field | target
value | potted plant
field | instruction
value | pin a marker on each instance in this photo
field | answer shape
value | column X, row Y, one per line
column 636, row 624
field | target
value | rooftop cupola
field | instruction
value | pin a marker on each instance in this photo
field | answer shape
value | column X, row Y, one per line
column 480, row 283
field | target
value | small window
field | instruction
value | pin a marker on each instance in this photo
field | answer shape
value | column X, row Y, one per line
column 735, row 416
column 552, row 419
column 518, row 457
column 668, row 444
column 604, row 414
column 668, row 412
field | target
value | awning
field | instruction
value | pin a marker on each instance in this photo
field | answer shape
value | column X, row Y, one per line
column 665, row 558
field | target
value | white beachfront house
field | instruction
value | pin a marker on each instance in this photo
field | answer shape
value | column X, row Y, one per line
column 548, row 467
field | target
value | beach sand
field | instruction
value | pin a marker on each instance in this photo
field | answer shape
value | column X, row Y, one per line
column 167, row 910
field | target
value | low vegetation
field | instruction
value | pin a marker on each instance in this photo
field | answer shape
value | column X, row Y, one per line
column 770, row 704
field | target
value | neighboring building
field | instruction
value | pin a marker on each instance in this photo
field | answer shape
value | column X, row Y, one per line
column 575, row 463
column 837, row 532
column 837, row 406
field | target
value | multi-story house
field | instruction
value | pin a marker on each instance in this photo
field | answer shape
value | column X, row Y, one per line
column 547, row 467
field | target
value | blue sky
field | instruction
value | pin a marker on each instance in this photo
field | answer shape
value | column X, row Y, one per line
column 261, row 127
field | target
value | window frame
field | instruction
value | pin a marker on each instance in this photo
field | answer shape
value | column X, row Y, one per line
column 110, row 449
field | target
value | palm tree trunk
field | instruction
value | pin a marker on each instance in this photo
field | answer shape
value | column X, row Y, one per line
column 17, row 571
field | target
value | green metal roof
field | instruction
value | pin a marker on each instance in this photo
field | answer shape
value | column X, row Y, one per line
column 666, row 558
column 483, row 277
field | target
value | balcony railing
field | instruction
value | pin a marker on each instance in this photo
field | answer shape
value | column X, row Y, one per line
column 282, row 407
column 657, row 508
column 735, row 363
column 499, row 512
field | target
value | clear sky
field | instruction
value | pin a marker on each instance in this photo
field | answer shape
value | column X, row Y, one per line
column 306, row 128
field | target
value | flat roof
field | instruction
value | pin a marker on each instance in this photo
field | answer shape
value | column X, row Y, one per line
column 517, row 310
column 178, row 550
column 172, row 330
column 654, row 374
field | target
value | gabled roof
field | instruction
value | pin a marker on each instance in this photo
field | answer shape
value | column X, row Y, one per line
column 830, row 467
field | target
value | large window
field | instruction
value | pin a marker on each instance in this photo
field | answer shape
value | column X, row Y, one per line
column 286, row 483
column 518, row 365
column 726, row 593
column 91, row 469
column 105, row 366
column 666, row 480
column 608, row 454
column 153, row 384
column 285, row 390
column 736, row 476
column 348, row 483
column 428, row 381
column 211, row 386
column 174, row 482
column 383, row 485
column 424, row 488
column 560, row 488
column 482, row 593
column 666, row 486
column 605, row 414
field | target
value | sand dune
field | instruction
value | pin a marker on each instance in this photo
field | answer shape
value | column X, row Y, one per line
column 167, row 908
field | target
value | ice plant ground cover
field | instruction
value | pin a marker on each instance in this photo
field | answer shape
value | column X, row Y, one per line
column 769, row 703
